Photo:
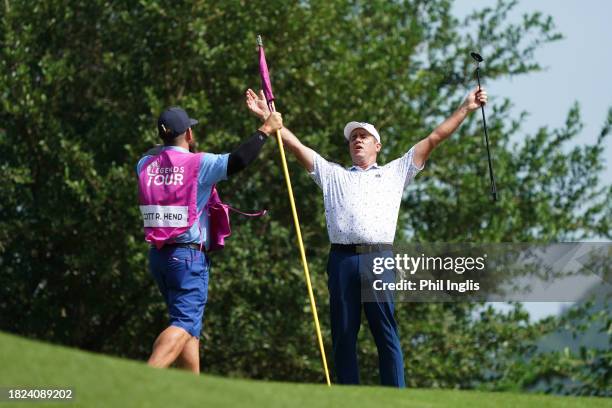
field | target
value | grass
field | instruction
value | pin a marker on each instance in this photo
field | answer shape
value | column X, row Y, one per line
column 103, row 381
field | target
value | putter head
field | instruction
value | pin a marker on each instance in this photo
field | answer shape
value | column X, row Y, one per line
column 476, row 56
column 259, row 41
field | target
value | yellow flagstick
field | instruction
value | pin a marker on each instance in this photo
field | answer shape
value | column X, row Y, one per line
column 313, row 306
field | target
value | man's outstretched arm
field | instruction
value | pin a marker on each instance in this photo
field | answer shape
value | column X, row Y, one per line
column 304, row 155
column 423, row 149
column 258, row 106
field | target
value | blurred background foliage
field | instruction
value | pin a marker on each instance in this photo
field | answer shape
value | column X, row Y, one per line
column 82, row 83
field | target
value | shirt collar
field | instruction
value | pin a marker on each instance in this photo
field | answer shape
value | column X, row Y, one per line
column 357, row 168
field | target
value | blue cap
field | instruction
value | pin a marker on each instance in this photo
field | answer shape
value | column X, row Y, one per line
column 173, row 122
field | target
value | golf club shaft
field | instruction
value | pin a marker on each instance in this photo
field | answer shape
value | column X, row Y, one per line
column 484, row 121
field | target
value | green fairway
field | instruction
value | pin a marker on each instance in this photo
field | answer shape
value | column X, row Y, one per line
column 106, row 381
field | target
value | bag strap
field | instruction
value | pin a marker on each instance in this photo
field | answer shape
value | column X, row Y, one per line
column 229, row 207
column 256, row 214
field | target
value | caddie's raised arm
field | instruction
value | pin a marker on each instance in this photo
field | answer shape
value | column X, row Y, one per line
column 258, row 106
column 250, row 148
column 473, row 101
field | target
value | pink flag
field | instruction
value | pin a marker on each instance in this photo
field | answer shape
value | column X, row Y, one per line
column 265, row 75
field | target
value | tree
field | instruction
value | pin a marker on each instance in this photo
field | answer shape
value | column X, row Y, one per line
column 83, row 81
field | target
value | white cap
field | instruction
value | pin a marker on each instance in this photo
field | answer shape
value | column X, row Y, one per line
column 348, row 129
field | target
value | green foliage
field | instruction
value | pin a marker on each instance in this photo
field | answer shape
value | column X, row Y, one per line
column 581, row 370
column 82, row 82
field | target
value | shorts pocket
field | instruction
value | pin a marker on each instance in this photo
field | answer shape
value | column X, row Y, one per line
column 176, row 271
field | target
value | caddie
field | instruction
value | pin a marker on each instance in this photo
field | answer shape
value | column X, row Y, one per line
column 174, row 186
column 361, row 207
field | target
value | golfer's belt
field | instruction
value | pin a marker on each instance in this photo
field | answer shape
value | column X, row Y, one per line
column 362, row 248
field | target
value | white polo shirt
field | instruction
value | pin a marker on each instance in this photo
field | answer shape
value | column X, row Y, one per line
column 361, row 206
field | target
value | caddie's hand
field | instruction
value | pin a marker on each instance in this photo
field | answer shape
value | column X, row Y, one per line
column 257, row 104
column 475, row 99
column 273, row 123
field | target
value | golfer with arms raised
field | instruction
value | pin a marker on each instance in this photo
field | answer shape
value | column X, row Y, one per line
column 361, row 208
column 174, row 186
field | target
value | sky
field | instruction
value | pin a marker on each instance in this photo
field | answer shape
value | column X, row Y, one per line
column 577, row 68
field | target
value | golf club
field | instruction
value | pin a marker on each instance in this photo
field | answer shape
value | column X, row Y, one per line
column 478, row 58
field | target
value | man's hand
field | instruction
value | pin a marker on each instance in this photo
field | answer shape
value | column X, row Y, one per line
column 475, row 99
column 257, row 104
column 259, row 107
column 273, row 123
column 423, row 149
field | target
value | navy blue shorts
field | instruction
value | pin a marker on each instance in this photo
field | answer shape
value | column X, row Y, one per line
column 182, row 278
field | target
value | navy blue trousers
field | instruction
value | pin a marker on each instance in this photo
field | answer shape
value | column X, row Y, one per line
column 346, row 273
